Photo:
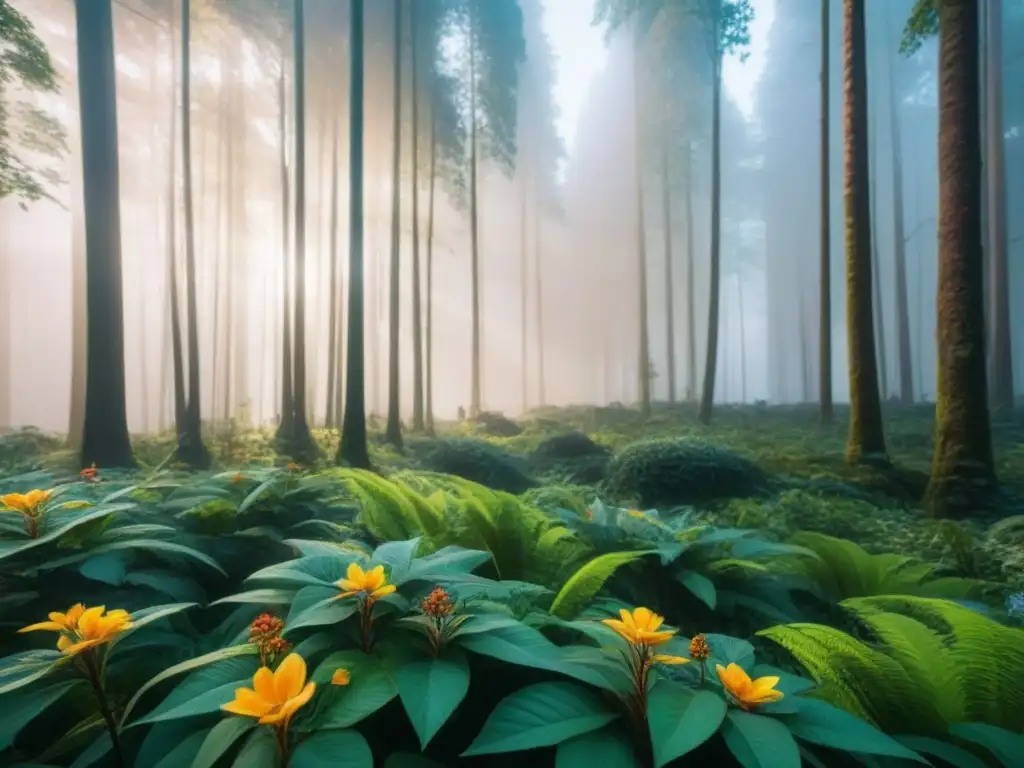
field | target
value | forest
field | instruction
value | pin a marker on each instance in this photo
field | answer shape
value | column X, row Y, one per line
column 424, row 383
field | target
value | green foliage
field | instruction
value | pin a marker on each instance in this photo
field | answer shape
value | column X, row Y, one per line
column 931, row 665
column 667, row 471
column 844, row 570
column 478, row 461
column 922, row 24
column 25, row 67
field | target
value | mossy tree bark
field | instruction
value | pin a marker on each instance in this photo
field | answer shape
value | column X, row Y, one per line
column 353, row 449
column 866, row 439
column 962, row 467
column 105, row 440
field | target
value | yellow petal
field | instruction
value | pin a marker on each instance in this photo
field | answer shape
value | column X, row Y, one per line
column 347, row 593
column 350, row 587
column 627, row 618
column 355, row 574
column 384, row 591
column 763, row 685
column 734, row 678
column 662, row 658
column 44, row 626
column 621, row 627
column 289, row 678
column 341, row 676
column 272, row 718
column 15, row 501
column 63, row 643
column 75, row 613
column 374, row 579
column 295, row 703
column 78, row 647
column 88, row 622
column 247, row 702
column 646, row 619
column 263, row 684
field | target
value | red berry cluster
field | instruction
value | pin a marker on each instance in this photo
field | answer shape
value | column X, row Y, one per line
column 438, row 604
column 265, row 633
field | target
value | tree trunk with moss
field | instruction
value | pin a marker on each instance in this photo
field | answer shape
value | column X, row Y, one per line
column 963, row 474
column 866, row 439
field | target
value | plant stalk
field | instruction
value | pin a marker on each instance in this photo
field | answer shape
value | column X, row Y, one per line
column 89, row 662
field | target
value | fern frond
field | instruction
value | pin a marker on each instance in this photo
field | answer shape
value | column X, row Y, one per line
column 588, row 580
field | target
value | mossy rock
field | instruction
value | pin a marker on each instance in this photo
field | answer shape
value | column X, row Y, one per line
column 568, row 446
column 496, row 425
column 476, row 460
column 679, row 471
column 574, row 457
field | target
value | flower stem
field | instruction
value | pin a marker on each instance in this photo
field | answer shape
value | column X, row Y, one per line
column 93, row 674
column 282, row 744
column 367, row 622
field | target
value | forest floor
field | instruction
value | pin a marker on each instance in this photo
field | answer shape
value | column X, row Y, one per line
column 773, row 468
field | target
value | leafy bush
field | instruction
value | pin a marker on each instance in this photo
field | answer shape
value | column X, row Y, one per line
column 671, row 471
column 477, row 461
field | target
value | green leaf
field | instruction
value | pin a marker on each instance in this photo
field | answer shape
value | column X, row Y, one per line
column 585, row 583
column 183, row 752
column 760, row 742
column 607, row 748
column 958, row 757
column 317, row 606
column 95, row 752
column 446, row 562
column 167, row 582
column 8, row 548
column 259, row 597
column 319, row 570
column 726, row 650
column 260, row 749
column 149, row 615
column 22, row 708
column 110, row 568
column 1004, row 744
column 396, row 557
column 221, row 738
column 680, row 719
column 333, row 749
column 540, row 715
column 229, row 669
column 820, row 723
column 701, row 586
column 431, row 690
column 370, row 689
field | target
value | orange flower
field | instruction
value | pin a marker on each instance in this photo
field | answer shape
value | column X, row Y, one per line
column 341, row 676
column 748, row 693
column 640, row 627
column 89, row 473
column 82, row 628
column 437, row 604
column 275, row 696
column 699, row 648
column 27, row 504
column 293, row 467
column 372, row 584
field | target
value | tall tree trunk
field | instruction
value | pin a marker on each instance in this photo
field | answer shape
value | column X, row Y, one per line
column 417, row 310
column 334, row 310
column 826, row 413
column 428, row 382
column 899, row 241
column 353, row 449
column 691, row 288
column 5, row 322
column 474, row 397
column 219, row 236
column 538, row 234
column 191, row 448
column 743, row 339
column 962, row 468
column 286, row 423
column 865, row 439
column 876, row 284
column 644, row 341
column 177, row 352
column 523, row 276
column 242, row 406
column 707, row 396
column 393, row 430
column 1001, row 346
column 670, row 315
column 105, row 440
column 76, row 420
column 302, row 444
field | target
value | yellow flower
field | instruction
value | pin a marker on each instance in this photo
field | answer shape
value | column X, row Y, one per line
column 82, row 628
column 373, row 584
column 26, row 503
column 274, row 696
column 341, row 676
column 745, row 692
column 636, row 513
column 641, row 627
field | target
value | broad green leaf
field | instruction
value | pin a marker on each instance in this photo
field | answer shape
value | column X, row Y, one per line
column 182, row 753
column 700, row 586
column 540, row 715
column 95, row 752
column 396, row 557
column 260, row 749
column 371, row 688
column 333, row 749
column 431, row 690
column 221, row 738
column 446, row 562
column 22, row 708
column 606, row 748
column 317, row 606
column 410, row 760
column 726, row 650
column 268, row 596
column 8, row 548
column 818, row 722
column 760, row 742
column 233, row 668
column 167, row 582
column 319, row 570
column 35, row 673
column 1004, row 744
column 149, row 615
column 580, row 588
column 109, row 568
column 958, row 757
column 681, row 719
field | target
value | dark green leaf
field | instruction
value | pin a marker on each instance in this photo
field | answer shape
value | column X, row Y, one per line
column 680, row 719
column 370, row 689
column 958, row 757
column 23, row 707
column 260, row 749
column 819, row 722
column 333, row 749
column 540, row 715
column 760, row 742
column 431, row 690
column 701, row 586
column 1004, row 744
column 221, row 738
column 606, row 748
column 110, row 568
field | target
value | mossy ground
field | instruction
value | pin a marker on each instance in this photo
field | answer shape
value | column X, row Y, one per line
column 773, row 468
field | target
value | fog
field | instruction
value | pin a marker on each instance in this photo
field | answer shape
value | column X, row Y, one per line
column 561, row 315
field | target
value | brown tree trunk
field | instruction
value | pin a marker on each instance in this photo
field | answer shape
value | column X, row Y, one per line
column 334, row 310
column 475, row 393
column 707, row 397
column 428, row 378
column 670, row 315
column 286, row 421
column 826, row 414
column 538, row 235
column 523, row 250
column 393, row 431
column 963, row 473
column 865, row 440
column 643, row 362
column 418, row 423
column 691, row 288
